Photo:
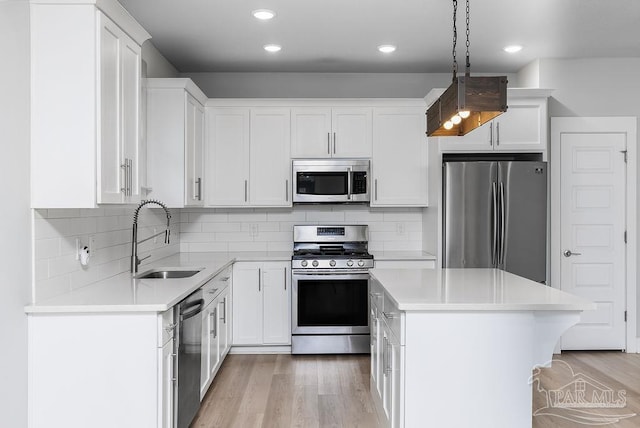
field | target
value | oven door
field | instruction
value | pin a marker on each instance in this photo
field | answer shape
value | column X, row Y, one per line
column 330, row 303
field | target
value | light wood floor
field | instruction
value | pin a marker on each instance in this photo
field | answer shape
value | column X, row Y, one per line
column 333, row 391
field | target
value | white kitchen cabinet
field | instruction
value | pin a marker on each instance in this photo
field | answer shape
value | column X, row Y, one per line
column 85, row 103
column 387, row 358
column 111, row 369
column 215, row 327
column 248, row 157
column 399, row 162
column 323, row 132
column 175, row 142
column 261, row 300
column 522, row 128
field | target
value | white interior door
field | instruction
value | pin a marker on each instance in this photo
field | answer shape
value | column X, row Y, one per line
column 592, row 253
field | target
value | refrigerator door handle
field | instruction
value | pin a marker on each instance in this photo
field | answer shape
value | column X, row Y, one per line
column 503, row 223
column 494, row 254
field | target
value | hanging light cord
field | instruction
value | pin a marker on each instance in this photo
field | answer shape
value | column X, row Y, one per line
column 455, row 39
column 468, row 68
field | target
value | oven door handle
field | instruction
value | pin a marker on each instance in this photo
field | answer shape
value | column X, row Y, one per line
column 325, row 274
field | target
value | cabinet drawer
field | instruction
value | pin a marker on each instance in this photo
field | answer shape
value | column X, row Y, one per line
column 393, row 317
column 216, row 284
column 166, row 327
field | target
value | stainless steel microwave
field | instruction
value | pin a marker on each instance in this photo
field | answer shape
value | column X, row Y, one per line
column 334, row 181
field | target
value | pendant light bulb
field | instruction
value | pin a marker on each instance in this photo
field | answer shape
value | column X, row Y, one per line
column 464, row 114
column 456, row 119
column 448, row 125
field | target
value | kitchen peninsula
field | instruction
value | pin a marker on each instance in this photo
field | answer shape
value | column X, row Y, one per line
column 456, row 347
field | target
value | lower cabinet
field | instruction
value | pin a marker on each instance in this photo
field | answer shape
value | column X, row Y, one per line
column 261, row 303
column 387, row 358
column 101, row 370
column 216, row 327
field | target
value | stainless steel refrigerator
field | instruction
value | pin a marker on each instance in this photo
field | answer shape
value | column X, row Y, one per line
column 495, row 215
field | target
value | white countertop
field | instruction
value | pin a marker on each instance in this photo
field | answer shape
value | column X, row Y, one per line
column 472, row 290
column 122, row 293
column 402, row 255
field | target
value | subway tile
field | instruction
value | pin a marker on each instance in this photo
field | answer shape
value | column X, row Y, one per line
column 233, row 236
column 403, row 246
column 403, row 216
column 41, row 269
column 191, row 227
column 92, row 212
column 52, row 287
column 221, row 227
column 325, row 216
column 46, row 248
column 83, row 277
column 363, row 216
column 63, row 213
column 107, row 224
column 247, row 246
column 197, row 237
column 195, row 247
column 247, row 217
column 275, row 236
column 39, row 213
column 216, row 217
column 107, row 270
column 63, row 265
column 286, row 215
column 260, row 227
column 279, row 246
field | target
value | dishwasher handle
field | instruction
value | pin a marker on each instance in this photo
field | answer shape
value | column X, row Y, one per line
column 197, row 305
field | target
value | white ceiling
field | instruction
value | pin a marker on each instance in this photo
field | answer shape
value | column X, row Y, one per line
column 342, row 35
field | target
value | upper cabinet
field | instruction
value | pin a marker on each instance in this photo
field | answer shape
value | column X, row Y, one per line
column 248, row 157
column 522, row 128
column 339, row 132
column 175, row 142
column 85, row 103
column 399, row 163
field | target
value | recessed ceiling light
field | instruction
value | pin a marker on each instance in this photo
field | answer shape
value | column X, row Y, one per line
column 386, row 48
column 513, row 48
column 263, row 14
column 272, row 48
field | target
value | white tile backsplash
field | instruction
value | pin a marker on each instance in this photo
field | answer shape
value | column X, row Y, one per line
column 272, row 229
column 55, row 233
column 192, row 230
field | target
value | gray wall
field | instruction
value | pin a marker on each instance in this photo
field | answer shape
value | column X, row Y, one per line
column 157, row 64
column 593, row 87
column 15, row 227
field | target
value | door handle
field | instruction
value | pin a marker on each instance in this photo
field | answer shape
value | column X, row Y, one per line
column 494, row 254
column 334, row 143
column 328, row 143
column 503, row 225
column 569, row 253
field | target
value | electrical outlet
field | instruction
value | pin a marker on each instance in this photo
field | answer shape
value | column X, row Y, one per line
column 92, row 243
column 253, row 230
column 400, row 228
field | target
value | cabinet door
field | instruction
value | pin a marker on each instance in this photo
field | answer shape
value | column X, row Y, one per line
column 480, row 139
column 111, row 167
column 375, row 346
column 130, row 95
column 205, row 355
column 386, row 373
column 166, row 391
column 223, row 325
column 214, row 338
column 194, row 139
column 351, row 129
column 227, row 157
column 311, row 132
column 522, row 127
column 247, row 304
column 277, row 312
column 399, row 144
column 270, row 158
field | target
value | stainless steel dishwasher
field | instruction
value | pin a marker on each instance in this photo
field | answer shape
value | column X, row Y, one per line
column 188, row 343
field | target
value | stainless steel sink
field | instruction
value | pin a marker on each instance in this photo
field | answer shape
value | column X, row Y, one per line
column 168, row 274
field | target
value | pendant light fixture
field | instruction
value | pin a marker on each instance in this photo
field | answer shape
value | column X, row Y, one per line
column 470, row 101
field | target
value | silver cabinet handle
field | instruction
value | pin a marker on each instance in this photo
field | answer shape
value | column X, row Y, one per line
column 374, row 294
column 349, row 182
column 130, row 177
column 569, row 253
column 123, row 189
column 491, row 134
column 334, row 143
column 224, row 308
column 388, row 315
column 285, row 279
column 259, row 279
column 498, row 133
column 375, row 190
column 213, row 316
column 286, row 190
column 198, row 195
column 245, row 190
column 385, row 342
column 387, row 368
column 328, row 143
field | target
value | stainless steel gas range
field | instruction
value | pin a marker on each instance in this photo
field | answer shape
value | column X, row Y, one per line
column 330, row 304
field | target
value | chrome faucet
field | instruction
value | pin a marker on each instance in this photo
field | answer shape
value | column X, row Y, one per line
column 135, row 261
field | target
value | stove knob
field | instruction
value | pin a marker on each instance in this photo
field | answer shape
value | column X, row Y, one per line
column 304, row 263
column 349, row 263
column 314, row 263
column 360, row 263
column 332, row 263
